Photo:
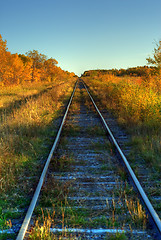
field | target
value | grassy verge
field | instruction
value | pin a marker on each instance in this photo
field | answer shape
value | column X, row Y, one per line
column 10, row 94
column 26, row 137
column 13, row 97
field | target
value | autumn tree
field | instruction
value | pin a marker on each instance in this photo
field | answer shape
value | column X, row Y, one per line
column 3, row 50
column 50, row 69
column 42, row 68
column 38, row 60
column 11, row 66
column 27, row 62
column 25, row 59
column 16, row 69
column 34, row 66
column 3, row 47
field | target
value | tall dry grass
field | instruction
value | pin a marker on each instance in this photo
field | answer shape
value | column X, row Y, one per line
column 136, row 102
column 23, row 132
column 10, row 94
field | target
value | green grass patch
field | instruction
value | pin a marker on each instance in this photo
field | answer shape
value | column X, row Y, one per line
column 117, row 236
column 62, row 163
column 96, row 131
column 71, row 130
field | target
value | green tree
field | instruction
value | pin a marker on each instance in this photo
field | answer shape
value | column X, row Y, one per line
column 156, row 60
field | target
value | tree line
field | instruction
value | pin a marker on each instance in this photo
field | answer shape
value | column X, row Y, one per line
column 134, row 71
column 141, row 71
column 30, row 67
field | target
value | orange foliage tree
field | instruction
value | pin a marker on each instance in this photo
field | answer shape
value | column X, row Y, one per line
column 31, row 67
column 50, row 69
column 3, row 66
column 11, row 66
column 38, row 60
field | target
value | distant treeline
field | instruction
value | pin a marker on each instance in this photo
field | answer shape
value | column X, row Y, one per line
column 134, row 71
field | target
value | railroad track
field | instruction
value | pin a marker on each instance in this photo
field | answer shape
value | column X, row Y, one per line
column 86, row 193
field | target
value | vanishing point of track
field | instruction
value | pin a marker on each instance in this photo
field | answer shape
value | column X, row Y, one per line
column 97, row 181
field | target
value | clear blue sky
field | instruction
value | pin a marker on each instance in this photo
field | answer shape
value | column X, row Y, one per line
column 83, row 34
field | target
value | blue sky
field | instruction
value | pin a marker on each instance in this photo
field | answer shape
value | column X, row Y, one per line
column 84, row 34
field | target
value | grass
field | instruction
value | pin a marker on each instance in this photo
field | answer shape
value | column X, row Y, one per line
column 54, row 192
column 21, row 133
column 128, row 204
column 65, row 216
column 117, row 236
column 73, row 130
column 96, row 130
column 136, row 104
column 14, row 97
column 26, row 134
column 14, row 93
column 4, row 222
column 137, row 212
column 123, row 174
column 103, row 145
column 43, row 231
column 62, row 163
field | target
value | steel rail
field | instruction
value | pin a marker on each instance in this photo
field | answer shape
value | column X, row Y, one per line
column 31, row 208
column 143, row 195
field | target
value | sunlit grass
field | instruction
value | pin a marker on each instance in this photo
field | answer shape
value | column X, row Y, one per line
column 9, row 94
column 136, row 102
column 24, row 142
column 21, row 131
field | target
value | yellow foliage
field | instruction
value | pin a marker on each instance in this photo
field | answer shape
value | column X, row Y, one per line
column 130, row 98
